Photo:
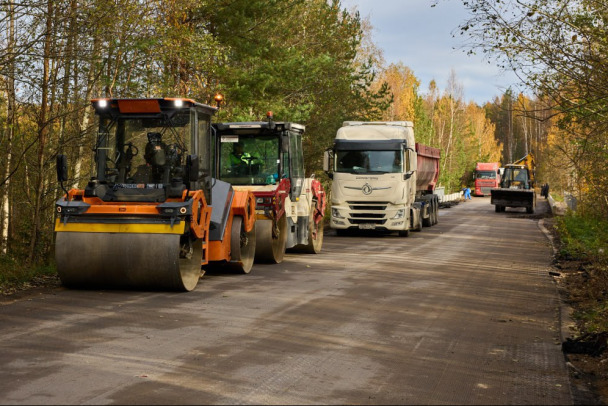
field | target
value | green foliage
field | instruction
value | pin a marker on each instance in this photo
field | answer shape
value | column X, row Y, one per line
column 14, row 273
column 583, row 237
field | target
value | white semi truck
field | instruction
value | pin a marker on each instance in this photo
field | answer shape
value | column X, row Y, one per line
column 382, row 179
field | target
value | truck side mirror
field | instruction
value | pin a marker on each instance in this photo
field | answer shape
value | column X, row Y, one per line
column 328, row 160
column 408, row 175
column 62, row 168
column 192, row 168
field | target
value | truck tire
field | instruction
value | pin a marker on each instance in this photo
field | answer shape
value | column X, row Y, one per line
column 419, row 225
column 404, row 233
column 428, row 221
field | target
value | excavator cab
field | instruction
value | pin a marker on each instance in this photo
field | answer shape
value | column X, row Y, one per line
column 515, row 177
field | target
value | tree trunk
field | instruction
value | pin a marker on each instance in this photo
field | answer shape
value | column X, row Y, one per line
column 42, row 133
column 10, row 124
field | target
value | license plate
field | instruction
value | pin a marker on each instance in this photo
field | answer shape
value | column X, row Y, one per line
column 367, row 226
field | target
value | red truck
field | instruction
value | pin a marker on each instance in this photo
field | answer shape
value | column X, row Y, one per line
column 486, row 177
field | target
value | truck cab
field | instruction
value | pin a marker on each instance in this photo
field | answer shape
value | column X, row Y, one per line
column 487, row 176
column 374, row 167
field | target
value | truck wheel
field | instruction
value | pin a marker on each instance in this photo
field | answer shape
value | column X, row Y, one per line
column 427, row 222
column 419, row 225
column 404, row 233
column 529, row 210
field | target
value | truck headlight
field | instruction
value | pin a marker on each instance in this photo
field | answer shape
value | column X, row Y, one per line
column 399, row 215
column 336, row 213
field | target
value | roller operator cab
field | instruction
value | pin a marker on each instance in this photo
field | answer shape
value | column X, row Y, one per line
column 266, row 158
column 151, row 216
column 382, row 179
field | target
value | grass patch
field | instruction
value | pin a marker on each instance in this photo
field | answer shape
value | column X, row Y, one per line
column 584, row 245
column 583, row 238
column 15, row 275
column 558, row 197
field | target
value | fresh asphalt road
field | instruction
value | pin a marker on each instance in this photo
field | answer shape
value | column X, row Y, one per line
column 464, row 312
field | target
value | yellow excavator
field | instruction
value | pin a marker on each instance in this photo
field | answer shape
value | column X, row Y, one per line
column 516, row 186
column 151, row 216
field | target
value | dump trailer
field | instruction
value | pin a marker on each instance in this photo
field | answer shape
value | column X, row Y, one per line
column 516, row 186
column 382, row 179
column 151, row 216
column 266, row 158
column 487, row 177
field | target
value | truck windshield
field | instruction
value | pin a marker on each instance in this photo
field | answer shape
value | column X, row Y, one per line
column 247, row 160
column 486, row 175
column 355, row 161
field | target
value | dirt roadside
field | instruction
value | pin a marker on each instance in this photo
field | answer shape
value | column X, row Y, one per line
column 581, row 285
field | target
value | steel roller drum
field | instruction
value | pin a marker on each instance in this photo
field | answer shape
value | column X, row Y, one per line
column 126, row 260
column 269, row 249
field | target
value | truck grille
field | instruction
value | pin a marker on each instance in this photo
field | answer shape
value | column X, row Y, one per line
column 485, row 190
column 367, row 212
column 367, row 205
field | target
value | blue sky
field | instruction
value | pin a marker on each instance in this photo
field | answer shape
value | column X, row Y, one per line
column 421, row 37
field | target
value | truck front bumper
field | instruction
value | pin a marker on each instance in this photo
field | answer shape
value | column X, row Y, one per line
column 370, row 216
